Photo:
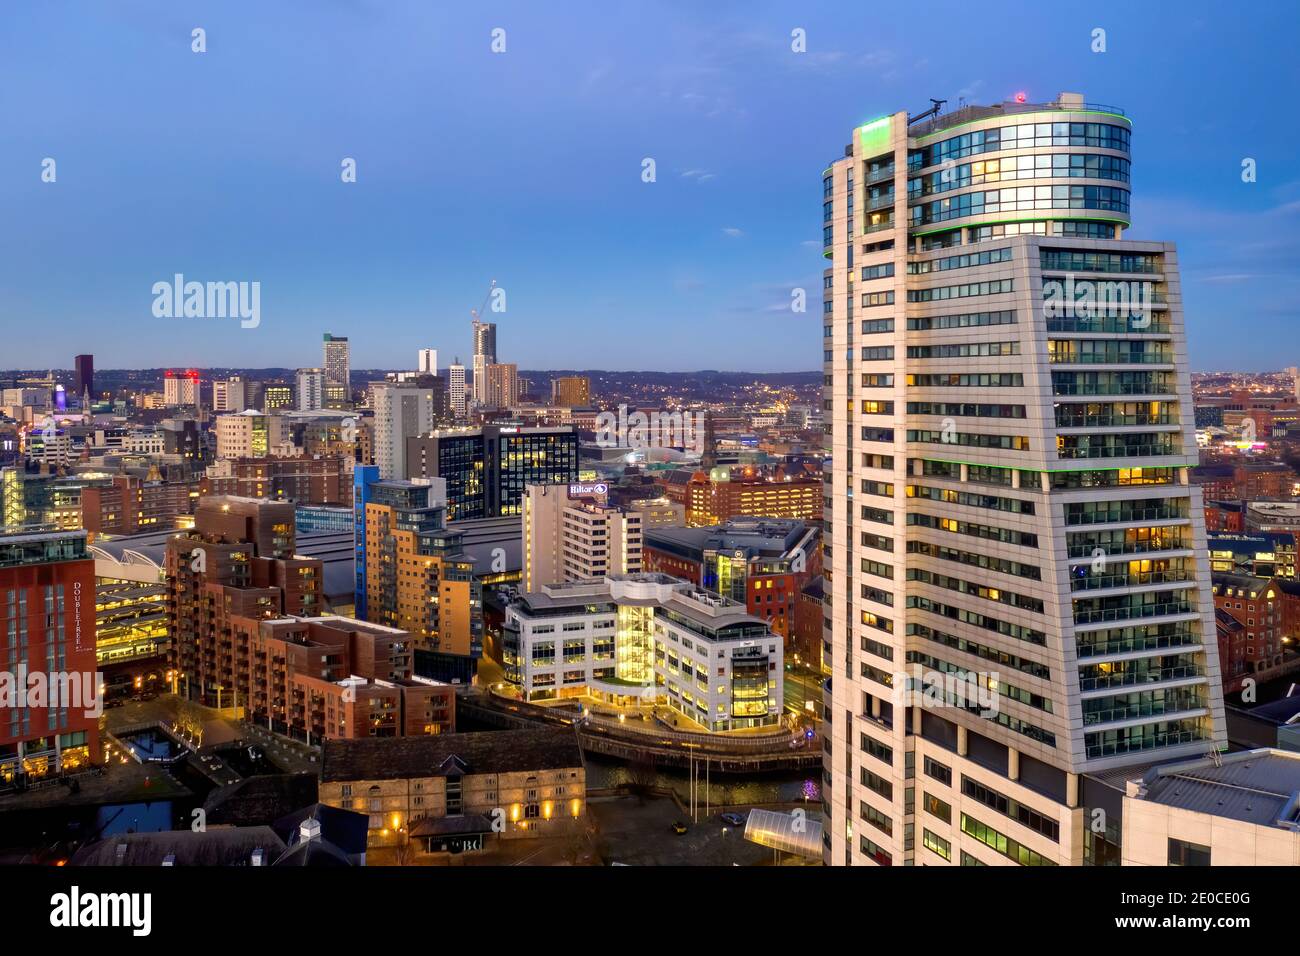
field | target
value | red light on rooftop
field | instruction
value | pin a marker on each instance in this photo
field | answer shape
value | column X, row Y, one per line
column 1020, row 97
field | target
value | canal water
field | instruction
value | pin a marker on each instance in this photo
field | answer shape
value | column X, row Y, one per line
column 780, row 786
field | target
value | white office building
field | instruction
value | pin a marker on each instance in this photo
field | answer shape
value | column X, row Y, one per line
column 646, row 640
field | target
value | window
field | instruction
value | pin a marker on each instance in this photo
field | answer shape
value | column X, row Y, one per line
column 1002, row 843
column 936, row 807
column 877, row 853
column 1182, row 853
column 937, row 844
column 877, row 819
column 938, row 771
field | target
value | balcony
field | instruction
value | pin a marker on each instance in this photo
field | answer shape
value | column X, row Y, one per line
column 1131, row 676
column 1095, row 582
column 880, row 175
column 1153, row 545
column 1175, row 512
column 1165, row 637
column 1135, row 612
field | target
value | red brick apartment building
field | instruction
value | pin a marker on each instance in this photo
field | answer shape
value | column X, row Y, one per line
column 247, row 633
column 316, row 481
column 47, row 609
column 131, row 505
column 1245, row 480
column 1252, row 623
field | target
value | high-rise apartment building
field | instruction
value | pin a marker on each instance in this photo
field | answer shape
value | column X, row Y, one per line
column 485, row 354
column 337, row 360
column 488, row 468
column 47, row 627
column 412, row 572
column 456, row 388
column 502, row 385
column 572, row 533
column 1017, row 590
column 402, row 410
column 181, row 388
column 571, row 391
column 429, row 361
column 237, row 562
column 311, row 389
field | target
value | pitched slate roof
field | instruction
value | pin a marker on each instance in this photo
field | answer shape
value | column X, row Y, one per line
column 501, row 751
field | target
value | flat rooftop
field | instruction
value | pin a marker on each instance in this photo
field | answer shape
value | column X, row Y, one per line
column 1253, row 786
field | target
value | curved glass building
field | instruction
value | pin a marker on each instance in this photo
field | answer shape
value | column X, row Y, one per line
column 1018, row 599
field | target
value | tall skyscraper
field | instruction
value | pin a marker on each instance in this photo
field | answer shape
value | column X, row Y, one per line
column 429, row 361
column 402, row 410
column 485, row 354
column 1017, row 591
column 84, row 365
column 311, row 389
column 337, row 362
column 456, row 388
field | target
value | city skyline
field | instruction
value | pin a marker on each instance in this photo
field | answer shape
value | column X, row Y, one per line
column 220, row 177
column 732, row 436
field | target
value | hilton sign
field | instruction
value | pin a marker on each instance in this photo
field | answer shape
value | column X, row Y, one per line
column 586, row 490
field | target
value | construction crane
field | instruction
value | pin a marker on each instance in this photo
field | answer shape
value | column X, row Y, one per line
column 477, row 314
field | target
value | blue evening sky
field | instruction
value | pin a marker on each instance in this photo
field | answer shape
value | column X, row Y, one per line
column 526, row 167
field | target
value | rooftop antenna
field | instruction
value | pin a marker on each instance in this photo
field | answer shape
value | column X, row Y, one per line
column 935, row 109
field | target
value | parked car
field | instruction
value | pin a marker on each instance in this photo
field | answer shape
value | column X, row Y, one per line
column 678, row 827
column 733, row 819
